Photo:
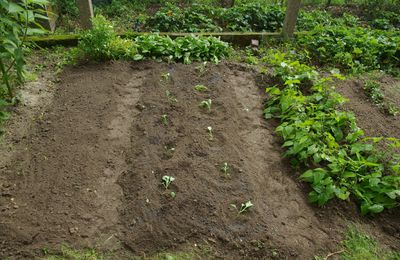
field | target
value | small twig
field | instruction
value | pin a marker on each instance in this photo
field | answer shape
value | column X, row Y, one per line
column 334, row 253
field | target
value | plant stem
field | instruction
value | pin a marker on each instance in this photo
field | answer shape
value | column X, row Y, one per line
column 5, row 79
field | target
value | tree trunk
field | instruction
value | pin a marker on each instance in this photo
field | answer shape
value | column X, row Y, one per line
column 85, row 13
column 289, row 23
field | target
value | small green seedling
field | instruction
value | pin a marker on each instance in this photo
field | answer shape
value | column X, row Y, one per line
column 210, row 133
column 165, row 77
column 225, row 169
column 173, row 194
column 206, row 104
column 169, row 151
column 202, row 68
column 164, row 119
column 243, row 208
column 170, row 97
column 167, row 180
column 200, row 88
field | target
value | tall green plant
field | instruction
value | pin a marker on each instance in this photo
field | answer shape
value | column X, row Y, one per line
column 16, row 22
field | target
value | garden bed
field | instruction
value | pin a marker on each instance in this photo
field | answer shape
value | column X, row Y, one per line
column 87, row 169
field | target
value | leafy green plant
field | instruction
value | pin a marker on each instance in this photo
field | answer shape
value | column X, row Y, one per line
column 18, row 20
column 226, row 169
column 166, row 181
column 201, row 88
column 244, row 207
column 206, row 104
column 210, row 133
column 342, row 161
column 102, row 43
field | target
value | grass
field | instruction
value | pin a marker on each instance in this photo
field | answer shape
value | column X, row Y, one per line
column 357, row 244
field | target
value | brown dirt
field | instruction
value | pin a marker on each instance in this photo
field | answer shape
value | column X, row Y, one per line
column 372, row 119
column 87, row 172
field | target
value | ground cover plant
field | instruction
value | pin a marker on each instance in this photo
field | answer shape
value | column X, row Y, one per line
column 342, row 161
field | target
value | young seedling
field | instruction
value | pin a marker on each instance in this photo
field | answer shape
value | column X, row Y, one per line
column 170, row 97
column 165, row 77
column 225, row 169
column 169, row 151
column 206, row 104
column 173, row 194
column 202, row 68
column 167, row 180
column 210, row 133
column 200, row 88
column 164, row 119
column 243, row 208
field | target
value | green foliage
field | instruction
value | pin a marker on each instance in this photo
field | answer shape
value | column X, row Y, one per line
column 102, row 43
column 355, row 49
column 328, row 141
column 206, row 18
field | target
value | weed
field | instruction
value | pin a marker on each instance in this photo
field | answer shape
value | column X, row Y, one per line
column 164, row 119
column 167, row 180
column 210, row 133
column 244, row 207
column 206, row 104
column 226, row 169
column 200, row 88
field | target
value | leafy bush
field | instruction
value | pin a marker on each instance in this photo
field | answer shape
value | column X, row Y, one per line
column 254, row 17
column 174, row 19
column 102, row 43
column 341, row 161
column 354, row 49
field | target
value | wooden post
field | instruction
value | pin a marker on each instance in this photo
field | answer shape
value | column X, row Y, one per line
column 85, row 13
column 289, row 24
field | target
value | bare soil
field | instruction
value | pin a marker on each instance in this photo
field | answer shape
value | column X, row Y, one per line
column 86, row 170
column 372, row 119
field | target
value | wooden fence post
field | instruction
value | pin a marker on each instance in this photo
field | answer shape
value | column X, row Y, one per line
column 85, row 13
column 289, row 24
